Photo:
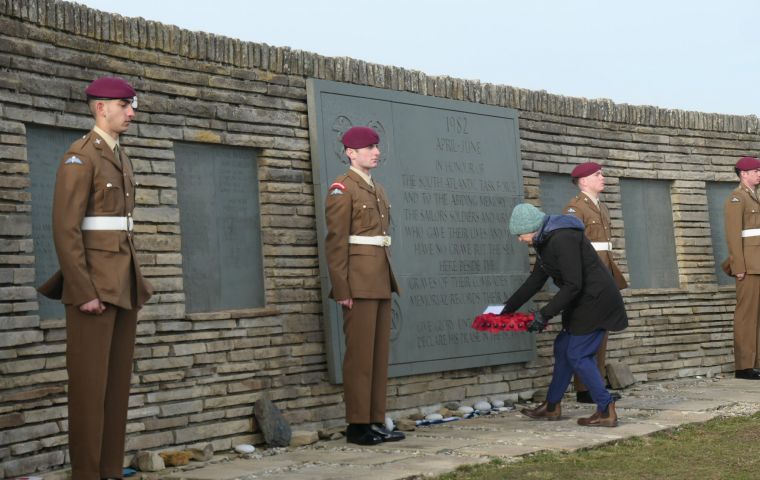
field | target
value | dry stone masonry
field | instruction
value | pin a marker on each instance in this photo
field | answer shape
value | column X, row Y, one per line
column 198, row 375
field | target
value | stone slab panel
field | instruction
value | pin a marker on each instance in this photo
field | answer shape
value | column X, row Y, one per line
column 452, row 173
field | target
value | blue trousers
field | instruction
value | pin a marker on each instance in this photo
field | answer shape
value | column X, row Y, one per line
column 576, row 354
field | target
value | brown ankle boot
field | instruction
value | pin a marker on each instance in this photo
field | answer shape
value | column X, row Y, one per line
column 599, row 419
column 542, row 412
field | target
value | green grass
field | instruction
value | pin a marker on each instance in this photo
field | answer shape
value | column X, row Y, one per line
column 723, row 448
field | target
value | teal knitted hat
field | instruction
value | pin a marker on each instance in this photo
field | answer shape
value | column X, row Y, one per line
column 525, row 219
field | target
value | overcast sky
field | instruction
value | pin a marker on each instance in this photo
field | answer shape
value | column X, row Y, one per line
column 693, row 55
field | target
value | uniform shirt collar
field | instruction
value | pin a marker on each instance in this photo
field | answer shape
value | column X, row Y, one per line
column 591, row 197
column 365, row 177
column 747, row 189
column 110, row 141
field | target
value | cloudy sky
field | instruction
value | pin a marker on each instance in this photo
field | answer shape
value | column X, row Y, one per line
column 693, row 55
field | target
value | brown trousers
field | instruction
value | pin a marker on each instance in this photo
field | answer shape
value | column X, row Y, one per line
column 367, row 326
column 601, row 355
column 99, row 351
column 746, row 316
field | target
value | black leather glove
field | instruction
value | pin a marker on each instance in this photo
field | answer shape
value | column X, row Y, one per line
column 539, row 322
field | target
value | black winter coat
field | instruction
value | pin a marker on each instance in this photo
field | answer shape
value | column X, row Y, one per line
column 588, row 297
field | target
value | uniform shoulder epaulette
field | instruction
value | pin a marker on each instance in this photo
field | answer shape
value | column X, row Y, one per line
column 82, row 142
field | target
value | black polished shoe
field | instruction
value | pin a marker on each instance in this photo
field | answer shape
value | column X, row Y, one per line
column 584, row 397
column 387, row 435
column 362, row 434
column 748, row 374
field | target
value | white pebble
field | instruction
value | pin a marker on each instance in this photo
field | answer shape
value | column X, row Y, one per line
column 465, row 409
column 245, row 448
column 497, row 403
column 389, row 424
column 434, row 416
column 483, row 406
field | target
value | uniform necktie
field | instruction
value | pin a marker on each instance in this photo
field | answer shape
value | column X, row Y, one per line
column 117, row 154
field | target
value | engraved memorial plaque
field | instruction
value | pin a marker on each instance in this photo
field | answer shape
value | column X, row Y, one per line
column 649, row 238
column 218, row 195
column 717, row 193
column 556, row 191
column 45, row 148
column 452, row 173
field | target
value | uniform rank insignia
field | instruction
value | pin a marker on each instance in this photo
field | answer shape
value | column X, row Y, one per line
column 734, row 199
column 570, row 210
column 337, row 188
column 73, row 161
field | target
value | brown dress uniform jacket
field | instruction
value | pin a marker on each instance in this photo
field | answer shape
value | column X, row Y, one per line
column 358, row 271
column 598, row 229
column 742, row 212
column 102, row 264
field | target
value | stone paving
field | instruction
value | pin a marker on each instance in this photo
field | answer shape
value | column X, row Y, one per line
column 437, row 449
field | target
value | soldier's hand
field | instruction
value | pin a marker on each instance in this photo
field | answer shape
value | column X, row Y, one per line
column 348, row 303
column 740, row 276
column 94, row 306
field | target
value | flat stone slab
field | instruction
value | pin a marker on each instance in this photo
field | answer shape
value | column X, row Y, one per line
column 237, row 468
column 500, row 450
column 677, row 404
column 438, row 449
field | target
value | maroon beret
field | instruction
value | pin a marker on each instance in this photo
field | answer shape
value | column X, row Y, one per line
column 360, row 137
column 747, row 163
column 585, row 169
column 110, row 87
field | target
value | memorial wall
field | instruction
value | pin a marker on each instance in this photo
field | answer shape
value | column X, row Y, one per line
column 233, row 146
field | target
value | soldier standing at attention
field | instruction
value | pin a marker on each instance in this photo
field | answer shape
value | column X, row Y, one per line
column 595, row 216
column 358, row 259
column 742, row 218
column 99, row 281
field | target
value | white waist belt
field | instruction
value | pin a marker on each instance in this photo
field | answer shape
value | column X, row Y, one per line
column 601, row 246
column 752, row 232
column 107, row 223
column 379, row 241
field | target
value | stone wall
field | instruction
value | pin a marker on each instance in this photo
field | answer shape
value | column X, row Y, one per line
column 197, row 375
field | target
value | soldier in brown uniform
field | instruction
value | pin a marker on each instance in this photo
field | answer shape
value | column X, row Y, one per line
column 358, row 259
column 742, row 212
column 595, row 216
column 99, row 281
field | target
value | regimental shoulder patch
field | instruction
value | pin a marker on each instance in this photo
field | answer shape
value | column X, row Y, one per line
column 337, row 185
column 73, row 161
column 336, row 191
column 570, row 210
column 735, row 200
